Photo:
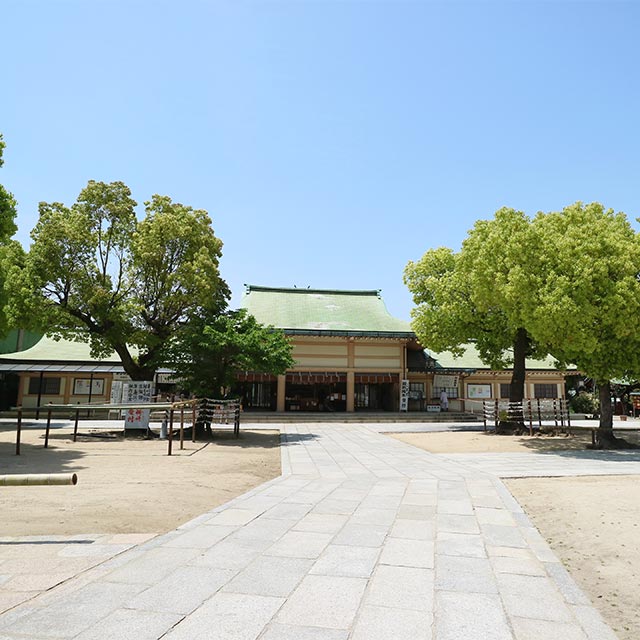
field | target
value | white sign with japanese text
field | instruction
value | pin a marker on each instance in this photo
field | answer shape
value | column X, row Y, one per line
column 137, row 392
column 404, row 395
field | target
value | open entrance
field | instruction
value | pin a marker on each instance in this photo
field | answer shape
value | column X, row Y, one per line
column 257, row 391
column 316, row 392
column 376, row 392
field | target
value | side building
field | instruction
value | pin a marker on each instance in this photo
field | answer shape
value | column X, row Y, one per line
column 64, row 372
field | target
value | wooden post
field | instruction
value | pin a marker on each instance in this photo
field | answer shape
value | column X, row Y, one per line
column 236, row 422
column 39, row 395
column 555, row 416
column 75, row 425
column 181, row 427
column 170, row 431
column 530, row 418
column 497, row 411
column 90, row 391
column 46, row 433
column 194, row 413
column 484, row 414
column 539, row 414
column 18, row 431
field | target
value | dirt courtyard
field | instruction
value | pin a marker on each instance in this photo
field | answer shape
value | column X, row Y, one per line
column 591, row 523
column 127, row 486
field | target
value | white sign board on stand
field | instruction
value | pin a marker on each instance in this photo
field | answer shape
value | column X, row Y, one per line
column 404, row 395
column 137, row 392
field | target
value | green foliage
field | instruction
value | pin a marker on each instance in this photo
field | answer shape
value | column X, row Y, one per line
column 8, row 206
column 211, row 349
column 95, row 273
column 588, row 291
column 10, row 251
column 476, row 295
column 584, row 402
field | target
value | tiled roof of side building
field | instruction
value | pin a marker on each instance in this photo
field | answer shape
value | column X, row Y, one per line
column 470, row 359
column 48, row 349
column 318, row 311
column 18, row 340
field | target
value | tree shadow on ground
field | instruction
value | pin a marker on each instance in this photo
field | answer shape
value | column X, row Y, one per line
column 578, row 446
column 34, row 458
column 247, row 439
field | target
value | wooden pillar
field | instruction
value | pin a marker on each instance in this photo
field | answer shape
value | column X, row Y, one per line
column 351, row 391
column 282, row 383
column 24, row 382
column 67, row 381
column 40, row 384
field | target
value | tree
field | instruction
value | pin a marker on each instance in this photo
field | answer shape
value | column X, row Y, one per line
column 588, row 297
column 211, row 349
column 7, row 205
column 478, row 296
column 11, row 252
column 95, row 273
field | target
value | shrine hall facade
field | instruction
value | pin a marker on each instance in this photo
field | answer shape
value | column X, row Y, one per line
column 352, row 355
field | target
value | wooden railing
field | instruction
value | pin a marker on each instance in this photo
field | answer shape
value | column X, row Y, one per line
column 206, row 411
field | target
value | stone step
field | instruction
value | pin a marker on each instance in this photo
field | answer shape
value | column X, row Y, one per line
column 388, row 416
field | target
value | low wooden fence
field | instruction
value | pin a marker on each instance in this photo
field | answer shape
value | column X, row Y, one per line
column 536, row 411
column 207, row 411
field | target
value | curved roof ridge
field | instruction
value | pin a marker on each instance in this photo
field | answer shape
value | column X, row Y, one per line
column 347, row 292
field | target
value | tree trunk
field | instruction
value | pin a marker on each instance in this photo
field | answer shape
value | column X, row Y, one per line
column 515, row 418
column 604, row 436
column 132, row 368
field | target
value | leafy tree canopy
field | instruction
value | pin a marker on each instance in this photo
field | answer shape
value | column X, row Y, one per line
column 588, row 293
column 211, row 349
column 478, row 295
column 11, row 252
column 95, row 273
column 7, row 206
column 588, row 286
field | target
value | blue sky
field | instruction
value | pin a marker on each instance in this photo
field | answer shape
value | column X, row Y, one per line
column 330, row 141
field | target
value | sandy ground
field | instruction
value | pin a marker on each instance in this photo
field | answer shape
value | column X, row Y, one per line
column 592, row 523
column 127, row 486
column 481, row 442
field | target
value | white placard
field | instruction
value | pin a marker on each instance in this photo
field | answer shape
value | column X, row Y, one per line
column 478, row 391
column 116, row 392
column 136, row 419
column 137, row 392
column 404, row 395
column 447, row 382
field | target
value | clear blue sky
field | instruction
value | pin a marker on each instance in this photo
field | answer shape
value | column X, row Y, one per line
column 330, row 141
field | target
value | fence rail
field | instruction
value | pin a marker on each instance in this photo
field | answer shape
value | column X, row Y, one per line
column 528, row 412
column 206, row 411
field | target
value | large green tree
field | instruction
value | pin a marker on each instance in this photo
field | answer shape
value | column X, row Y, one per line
column 95, row 273
column 213, row 348
column 477, row 296
column 11, row 252
column 586, row 310
column 7, row 205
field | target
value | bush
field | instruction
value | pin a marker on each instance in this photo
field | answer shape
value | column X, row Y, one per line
column 584, row 403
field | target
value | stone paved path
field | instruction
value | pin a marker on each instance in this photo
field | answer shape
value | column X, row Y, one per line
column 363, row 537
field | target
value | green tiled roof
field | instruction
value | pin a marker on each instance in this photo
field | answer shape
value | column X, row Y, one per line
column 14, row 341
column 323, row 311
column 471, row 360
column 50, row 350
